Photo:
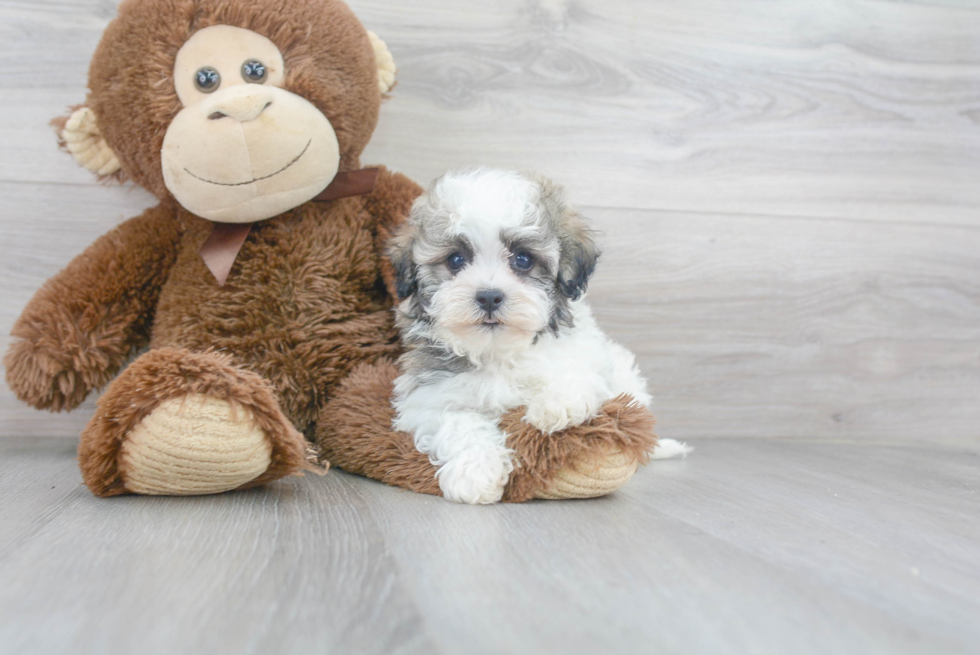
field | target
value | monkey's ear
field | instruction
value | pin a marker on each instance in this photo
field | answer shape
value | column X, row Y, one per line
column 386, row 64
column 81, row 135
column 400, row 252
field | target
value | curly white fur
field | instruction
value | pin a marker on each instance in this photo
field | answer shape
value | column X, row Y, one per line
column 541, row 348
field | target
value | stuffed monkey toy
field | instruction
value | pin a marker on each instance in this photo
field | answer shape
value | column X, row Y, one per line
column 255, row 296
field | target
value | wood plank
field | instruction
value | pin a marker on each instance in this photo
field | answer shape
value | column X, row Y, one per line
column 844, row 109
column 744, row 325
column 292, row 568
column 779, row 327
column 731, row 561
column 761, row 326
column 747, row 546
column 864, row 110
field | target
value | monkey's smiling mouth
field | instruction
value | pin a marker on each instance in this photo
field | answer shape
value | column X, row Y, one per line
column 264, row 177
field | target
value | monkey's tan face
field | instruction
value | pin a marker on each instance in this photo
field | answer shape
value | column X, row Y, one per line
column 243, row 149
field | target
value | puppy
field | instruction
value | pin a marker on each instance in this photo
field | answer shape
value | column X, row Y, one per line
column 492, row 267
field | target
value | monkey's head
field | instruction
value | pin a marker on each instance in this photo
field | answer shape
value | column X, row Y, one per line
column 238, row 109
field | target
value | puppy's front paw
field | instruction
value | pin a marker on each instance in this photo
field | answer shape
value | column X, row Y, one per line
column 553, row 412
column 476, row 476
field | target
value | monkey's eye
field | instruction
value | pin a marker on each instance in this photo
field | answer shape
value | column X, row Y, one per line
column 456, row 261
column 523, row 261
column 207, row 79
column 253, row 71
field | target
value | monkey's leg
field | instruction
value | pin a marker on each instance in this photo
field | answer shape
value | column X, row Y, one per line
column 182, row 423
column 583, row 461
column 354, row 431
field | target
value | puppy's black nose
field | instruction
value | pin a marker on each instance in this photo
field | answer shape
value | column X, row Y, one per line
column 489, row 299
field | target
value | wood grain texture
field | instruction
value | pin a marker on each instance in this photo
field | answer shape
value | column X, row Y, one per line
column 772, row 326
column 791, row 215
column 832, row 108
column 830, row 149
column 867, row 109
column 748, row 546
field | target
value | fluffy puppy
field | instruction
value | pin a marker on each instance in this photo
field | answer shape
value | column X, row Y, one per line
column 492, row 267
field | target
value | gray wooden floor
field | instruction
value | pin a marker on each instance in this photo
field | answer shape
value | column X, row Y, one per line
column 789, row 196
column 748, row 546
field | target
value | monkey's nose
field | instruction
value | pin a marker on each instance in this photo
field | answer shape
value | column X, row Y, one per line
column 243, row 103
column 489, row 299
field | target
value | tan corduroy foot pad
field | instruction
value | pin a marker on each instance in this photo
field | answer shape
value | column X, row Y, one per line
column 591, row 479
column 193, row 445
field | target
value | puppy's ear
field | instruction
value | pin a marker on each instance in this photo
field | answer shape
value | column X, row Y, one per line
column 400, row 253
column 579, row 254
column 579, row 251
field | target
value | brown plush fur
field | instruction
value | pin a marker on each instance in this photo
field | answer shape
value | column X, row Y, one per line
column 621, row 425
column 355, row 435
column 166, row 373
column 327, row 54
column 307, row 301
column 84, row 323
column 308, row 297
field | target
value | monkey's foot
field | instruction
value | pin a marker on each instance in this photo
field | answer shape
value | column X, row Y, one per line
column 591, row 475
column 180, row 423
column 193, row 445
column 582, row 461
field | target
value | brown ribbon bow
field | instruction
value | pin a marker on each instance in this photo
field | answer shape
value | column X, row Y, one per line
column 222, row 246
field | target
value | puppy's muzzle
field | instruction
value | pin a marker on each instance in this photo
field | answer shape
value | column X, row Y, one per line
column 489, row 300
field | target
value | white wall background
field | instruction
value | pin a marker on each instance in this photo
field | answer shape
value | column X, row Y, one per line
column 789, row 190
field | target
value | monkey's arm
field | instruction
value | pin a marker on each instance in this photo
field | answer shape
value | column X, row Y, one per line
column 84, row 323
column 389, row 204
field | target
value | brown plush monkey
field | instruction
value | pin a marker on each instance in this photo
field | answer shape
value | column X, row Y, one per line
column 258, row 283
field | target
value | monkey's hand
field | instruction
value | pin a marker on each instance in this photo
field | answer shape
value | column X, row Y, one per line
column 86, row 321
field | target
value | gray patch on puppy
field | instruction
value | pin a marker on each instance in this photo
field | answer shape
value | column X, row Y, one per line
column 447, row 220
column 430, row 362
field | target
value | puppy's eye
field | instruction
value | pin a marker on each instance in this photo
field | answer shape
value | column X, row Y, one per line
column 523, row 261
column 253, row 71
column 456, row 261
column 207, row 79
